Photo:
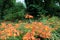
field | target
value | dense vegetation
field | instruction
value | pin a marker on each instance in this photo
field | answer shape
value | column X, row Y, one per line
column 36, row 7
column 33, row 7
column 10, row 10
column 40, row 20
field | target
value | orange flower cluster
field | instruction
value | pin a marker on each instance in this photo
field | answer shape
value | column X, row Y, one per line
column 29, row 36
column 7, row 30
column 40, row 29
column 34, row 28
column 28, row 16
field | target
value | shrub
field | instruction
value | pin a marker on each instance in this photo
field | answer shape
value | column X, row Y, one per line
column 16, row 12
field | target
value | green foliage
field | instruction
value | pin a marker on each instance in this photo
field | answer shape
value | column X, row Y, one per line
column 55, row 35
column 10, row 10
column 47, row 7
column 5, row 4
column 16, row 12
column 35, row 7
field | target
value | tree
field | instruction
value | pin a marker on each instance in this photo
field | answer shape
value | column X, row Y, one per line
column 5, row 4
column 47, row 7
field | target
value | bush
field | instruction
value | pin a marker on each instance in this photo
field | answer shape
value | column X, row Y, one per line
column 16, row 12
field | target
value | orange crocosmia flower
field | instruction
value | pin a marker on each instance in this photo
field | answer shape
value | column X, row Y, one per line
column 10, row 30
column 28, row 16
column 44, row 32
column 3, row 25
column 18, row 33
column 48, row 35
column 33, row 38
column 10, row 34
column 47, row 28
column 17, row 25
column 34, row 23
column 3, row 37
column 40, row 24
column 28, row 36
column 15, row 34
column 9, row 25
column 27, row 26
